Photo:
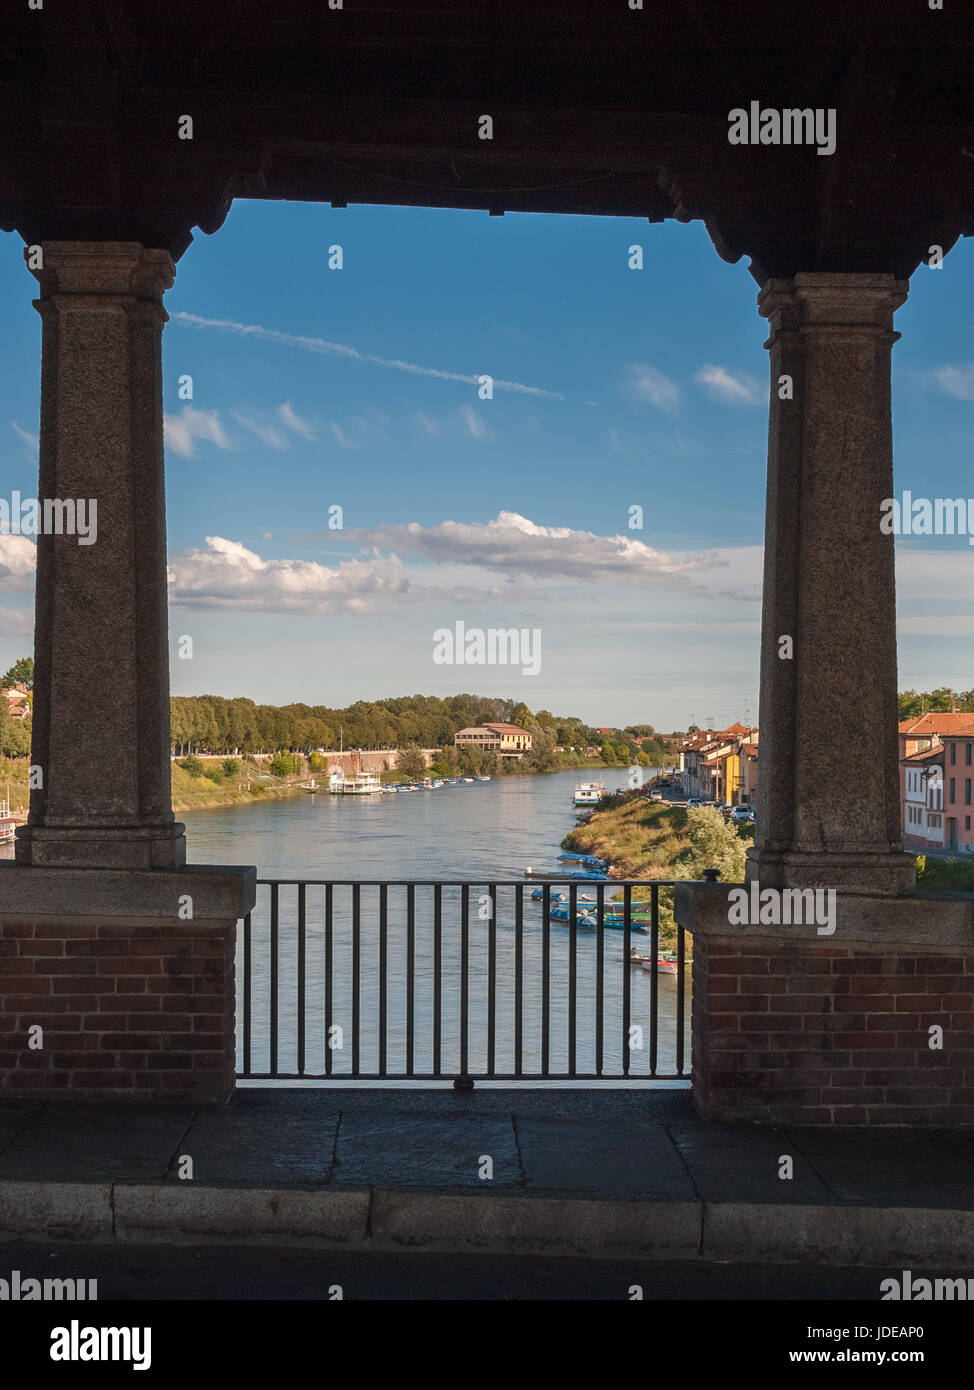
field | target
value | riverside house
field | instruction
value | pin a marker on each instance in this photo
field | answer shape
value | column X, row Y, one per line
column 937, row 781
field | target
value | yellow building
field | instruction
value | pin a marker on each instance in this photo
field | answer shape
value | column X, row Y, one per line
column 507, row 740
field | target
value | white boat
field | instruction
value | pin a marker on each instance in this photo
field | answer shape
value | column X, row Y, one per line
column 588, row 793
column 8, row 823
column 362, row 784
column 482, row 779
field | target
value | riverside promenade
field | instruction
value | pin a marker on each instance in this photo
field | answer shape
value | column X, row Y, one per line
column 627, row 1173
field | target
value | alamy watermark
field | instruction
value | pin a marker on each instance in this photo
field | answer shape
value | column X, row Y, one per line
column 789, row 126
column 50, row 516
column 492, row 646
column 755, row 906
column 18, row 1289
column 921, row 516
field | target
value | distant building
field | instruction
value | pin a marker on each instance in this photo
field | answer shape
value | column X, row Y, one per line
column 18, row 700
column 720, row 764
column 507, row 740
column 937, row 781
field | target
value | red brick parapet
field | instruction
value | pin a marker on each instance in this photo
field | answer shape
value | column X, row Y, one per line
column 112, row 1004
column 791, row 1028
column 127, row 1011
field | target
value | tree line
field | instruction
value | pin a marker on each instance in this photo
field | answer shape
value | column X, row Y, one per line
column 213, row 724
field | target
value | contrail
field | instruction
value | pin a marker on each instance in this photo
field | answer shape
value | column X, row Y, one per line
column 273, row 335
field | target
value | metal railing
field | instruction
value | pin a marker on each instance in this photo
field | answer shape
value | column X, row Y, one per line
column 432, row 980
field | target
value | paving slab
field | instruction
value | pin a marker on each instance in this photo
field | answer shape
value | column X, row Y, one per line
column 889, row 1168
column 266, row 1145
column 191, row 1213
column 417, row 1150
column 15, row 1116
column 529, row 1223
column 742, row 1163
column 579, row 1156
column 55, row 1211
column 609, row 1104
column 85, row 1143
column 842, row 1235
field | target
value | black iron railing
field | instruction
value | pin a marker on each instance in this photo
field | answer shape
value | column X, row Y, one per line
column 432, row 980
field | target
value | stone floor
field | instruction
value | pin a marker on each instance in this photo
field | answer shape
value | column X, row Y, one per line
column 448, row 1170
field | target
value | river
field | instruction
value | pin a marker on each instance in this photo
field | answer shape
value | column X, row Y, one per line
column 479, row 832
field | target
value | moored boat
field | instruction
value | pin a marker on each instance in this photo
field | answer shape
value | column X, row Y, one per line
column 588, row 793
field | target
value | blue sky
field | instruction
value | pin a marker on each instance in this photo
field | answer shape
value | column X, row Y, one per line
column 357, row 388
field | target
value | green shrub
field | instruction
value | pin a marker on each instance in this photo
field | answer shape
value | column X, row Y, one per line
column 282, row 765
column 214, row 774
column 192, row 765
column 231, row 766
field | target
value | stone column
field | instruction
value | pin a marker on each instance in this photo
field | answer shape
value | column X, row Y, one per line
column 101, row 700
column 828, row 794
column 110, row 945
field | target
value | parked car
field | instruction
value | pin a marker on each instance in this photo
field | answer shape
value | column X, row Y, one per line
column 740, row 815
column 656, row 796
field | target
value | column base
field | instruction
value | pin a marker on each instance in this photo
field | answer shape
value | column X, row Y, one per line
column 887, row 874
column 145, row 847
column 873, row 1024
column 117, row 985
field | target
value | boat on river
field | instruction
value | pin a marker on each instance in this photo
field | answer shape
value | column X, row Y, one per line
column 8, row 823
column 588, row 793
column 666, row 963
column 362, row 784
column 565, row 878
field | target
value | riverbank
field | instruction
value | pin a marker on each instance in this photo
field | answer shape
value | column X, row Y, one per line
column 249, row 782
column 641, row 839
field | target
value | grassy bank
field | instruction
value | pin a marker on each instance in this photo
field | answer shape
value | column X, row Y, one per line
column 649, row 840
column 643, row 839
column 189, row 793
column 945, row 875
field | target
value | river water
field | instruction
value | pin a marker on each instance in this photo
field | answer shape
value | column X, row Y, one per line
column 479, row 832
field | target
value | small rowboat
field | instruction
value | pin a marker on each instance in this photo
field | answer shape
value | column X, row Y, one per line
column 666, row 963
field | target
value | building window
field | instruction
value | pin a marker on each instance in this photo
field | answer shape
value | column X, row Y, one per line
column 953, row 788
column 969, row 754
column 967, row 822
column 953, row 754
column 967, row 791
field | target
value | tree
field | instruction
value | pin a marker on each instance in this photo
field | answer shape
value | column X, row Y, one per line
column 22, row 670
column 714, row 844
column 14, row 734
column 411, row 763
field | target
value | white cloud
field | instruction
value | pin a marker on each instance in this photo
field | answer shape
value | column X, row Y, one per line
column 181, row 430
column 513, row 545
column 322, row 345
column 731, row 388
column 227, row 574
column 648, row 384
column 344, row 441
column 32, row 439
column 955, row 381
column 474, row 423
column 18, row 557
column 267, row 434
column 427, row 423
column 294, row 421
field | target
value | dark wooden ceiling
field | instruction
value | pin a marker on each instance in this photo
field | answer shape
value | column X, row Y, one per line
column 597, row 108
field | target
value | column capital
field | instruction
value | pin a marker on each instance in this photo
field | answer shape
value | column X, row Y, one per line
column 118, row 269
column 812, row 299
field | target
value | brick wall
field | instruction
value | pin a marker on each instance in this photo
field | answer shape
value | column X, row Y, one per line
column 822, row 1034
column 128, row 1011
